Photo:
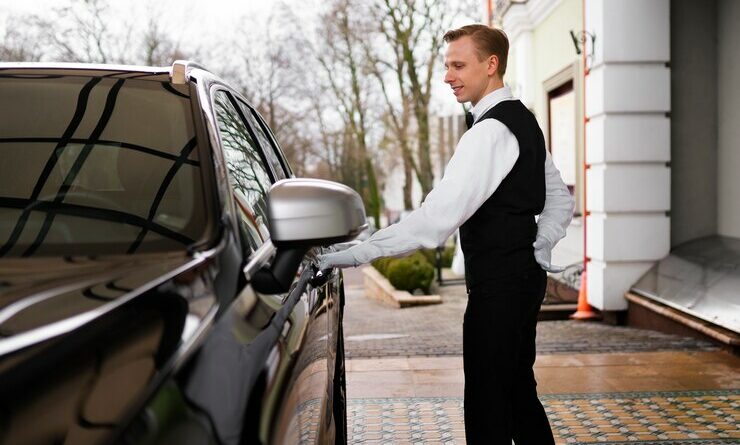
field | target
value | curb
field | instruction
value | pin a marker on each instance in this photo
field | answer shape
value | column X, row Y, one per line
column 377, row 287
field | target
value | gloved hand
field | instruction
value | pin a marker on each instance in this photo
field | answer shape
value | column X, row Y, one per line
column 543, row 254
column 338, row 256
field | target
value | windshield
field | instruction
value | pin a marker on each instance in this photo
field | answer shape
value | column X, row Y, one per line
column 97, row 165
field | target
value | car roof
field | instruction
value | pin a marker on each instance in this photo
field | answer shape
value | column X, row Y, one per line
column 86, row 69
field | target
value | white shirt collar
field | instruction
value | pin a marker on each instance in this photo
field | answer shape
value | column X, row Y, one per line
column 490, row 100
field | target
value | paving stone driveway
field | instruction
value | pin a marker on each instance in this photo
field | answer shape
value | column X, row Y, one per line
column 708, row 418
column 397, row 396
column 375, row 330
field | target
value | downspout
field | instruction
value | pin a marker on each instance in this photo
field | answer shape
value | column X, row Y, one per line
column 584, row 310
column 584, row 59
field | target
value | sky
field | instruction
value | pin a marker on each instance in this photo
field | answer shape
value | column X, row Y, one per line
column 197, row 9
column 199, row 18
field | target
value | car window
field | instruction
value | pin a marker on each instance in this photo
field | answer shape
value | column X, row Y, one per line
column 94, row 166
column 265, row 140
column 248, row 173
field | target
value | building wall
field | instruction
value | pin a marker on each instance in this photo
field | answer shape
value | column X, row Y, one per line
column 729, row 111
column 555, row 53
column 541, row 49
column 662, row 139
column 694, row 120
column 554, row 48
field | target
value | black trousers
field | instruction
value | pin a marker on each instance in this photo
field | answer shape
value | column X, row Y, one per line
column 501, row 401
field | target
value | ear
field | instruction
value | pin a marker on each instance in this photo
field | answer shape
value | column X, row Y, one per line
column 492, row 64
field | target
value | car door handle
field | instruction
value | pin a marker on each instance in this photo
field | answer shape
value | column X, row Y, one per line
column 319, row 277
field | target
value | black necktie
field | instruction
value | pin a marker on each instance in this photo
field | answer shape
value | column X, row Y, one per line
column 469, row 119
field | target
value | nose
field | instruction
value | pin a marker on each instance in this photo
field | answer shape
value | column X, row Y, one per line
column 448, row 76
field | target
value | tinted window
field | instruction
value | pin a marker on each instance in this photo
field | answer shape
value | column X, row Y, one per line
column 248, row 174
column 276, row 144
column 264, row 140
column 97, row 166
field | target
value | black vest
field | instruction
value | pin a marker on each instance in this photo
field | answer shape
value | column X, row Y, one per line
column 497, row 240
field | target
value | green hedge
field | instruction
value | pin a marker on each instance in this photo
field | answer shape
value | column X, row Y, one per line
column 410, row 273
column 447, row 255
column 415, row 271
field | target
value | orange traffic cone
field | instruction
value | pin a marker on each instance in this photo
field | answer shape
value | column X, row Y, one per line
column 583, row 311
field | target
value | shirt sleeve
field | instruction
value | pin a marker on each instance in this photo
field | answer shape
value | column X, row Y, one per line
column 484, row 156
column 559, row 205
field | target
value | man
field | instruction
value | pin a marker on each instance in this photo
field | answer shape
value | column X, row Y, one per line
column 498, row 179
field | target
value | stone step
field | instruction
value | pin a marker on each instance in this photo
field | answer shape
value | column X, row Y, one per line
column 556, row 311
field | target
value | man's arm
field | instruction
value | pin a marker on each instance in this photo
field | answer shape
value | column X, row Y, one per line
column 555, row 217
column 484, row 156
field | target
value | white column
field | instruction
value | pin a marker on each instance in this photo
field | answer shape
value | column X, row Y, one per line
column 627, row 145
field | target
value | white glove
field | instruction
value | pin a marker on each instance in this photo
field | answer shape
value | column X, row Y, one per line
column 543, row 254
column 338, row 256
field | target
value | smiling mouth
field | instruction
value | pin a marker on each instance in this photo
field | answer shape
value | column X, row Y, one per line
column 456, row 90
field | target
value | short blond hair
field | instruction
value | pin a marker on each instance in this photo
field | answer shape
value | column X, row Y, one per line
column 488, row 41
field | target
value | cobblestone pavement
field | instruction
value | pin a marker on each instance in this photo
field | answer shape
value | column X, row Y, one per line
column 665, row 418
column 372, row 329
column 598, row 383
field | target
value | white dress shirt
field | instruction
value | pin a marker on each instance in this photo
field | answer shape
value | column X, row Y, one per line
column 485, row 154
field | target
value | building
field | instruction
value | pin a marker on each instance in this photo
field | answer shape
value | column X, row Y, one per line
column 655, row 89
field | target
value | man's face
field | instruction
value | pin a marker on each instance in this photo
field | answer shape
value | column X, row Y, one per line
column 467, row 76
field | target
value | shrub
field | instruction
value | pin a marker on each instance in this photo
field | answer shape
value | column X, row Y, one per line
column 430, row 255
column 415, row 271
column 382, row 265
column 447, row 254
column 410, row 273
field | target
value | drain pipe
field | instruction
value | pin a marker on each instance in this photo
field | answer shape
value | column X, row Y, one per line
column 584, row 58
column 584, row 311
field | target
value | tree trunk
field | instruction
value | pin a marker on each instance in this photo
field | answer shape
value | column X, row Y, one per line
column 408, row 184
column 374, row 204
column 425, row 160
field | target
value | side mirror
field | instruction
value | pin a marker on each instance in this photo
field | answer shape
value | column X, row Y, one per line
column 304, row 213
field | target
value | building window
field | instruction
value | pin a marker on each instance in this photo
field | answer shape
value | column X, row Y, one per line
column 562, row 131
column 563, row 126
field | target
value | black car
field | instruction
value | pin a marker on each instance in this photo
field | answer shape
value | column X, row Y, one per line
column 156, row 265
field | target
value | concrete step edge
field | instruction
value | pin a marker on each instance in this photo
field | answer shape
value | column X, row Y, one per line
column 716, row 332
column 570, row 307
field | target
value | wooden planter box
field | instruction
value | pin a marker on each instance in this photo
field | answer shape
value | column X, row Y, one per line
column 379, row 288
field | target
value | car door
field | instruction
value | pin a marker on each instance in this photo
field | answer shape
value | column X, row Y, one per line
column 265, row 333
column 317, row 354
column 236, row 363
column 328, row 294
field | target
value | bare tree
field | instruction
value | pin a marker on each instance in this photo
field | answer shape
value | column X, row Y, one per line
column 397, row 117
column 158, row 48
column 329, row 140
column 413, row 30
column 89, row 31
column 341, row 58
column 265, row 62
column 21, row 41
column 82, row 31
